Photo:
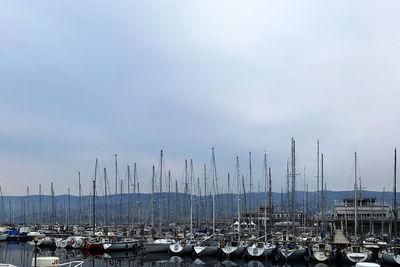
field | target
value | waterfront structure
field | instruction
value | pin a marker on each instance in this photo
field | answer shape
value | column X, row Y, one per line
column 372, row 216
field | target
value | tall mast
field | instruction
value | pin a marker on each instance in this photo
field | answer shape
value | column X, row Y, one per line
column 287, row 187
column 383, row 201
column 169, row 196
column 120, row 204
column 69, row 208
column 215, row 172
column 322, row 193
column 53, row 208
column 293, row 184
column 251, row 183
column 176, row 199
column 27, row 204
column 238, row 190
column 116, row 189
column 94, row 198
column 228, row 206
column 138, row 204
column 304, row 197
column 355, row 194
column 191, row 196
column 185, row 192
column 105, row 195
column 265, row 196
column 160, row 200
column 152, row 198
column 205, row 193
column 134, row 190
column 318, row 195
column 215, row 183
column 270, row 196
column 129, row 196
column 198, row 202
column 395, row 193
column 80, row 198
column 40, row 205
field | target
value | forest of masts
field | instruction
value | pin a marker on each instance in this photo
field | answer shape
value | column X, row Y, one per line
column 189, row 199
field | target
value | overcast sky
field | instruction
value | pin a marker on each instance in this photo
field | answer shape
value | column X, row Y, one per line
column 87, row 79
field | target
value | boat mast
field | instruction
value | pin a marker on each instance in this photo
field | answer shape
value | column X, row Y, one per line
column 238, row 188
column 215, row 184
column 80, row 198
column 293, row 184
column 116, row 190
column 270, row 196
column 355, row 194
column 139, row 204
column 304, row 197
column 185, row 192
column 120, row 204
column 40, row 205
column 251, row 184
column 287, row 187
column 322, row 193
column 265, row 196
column 176, row 199
column 105, row 196
column 191, row 196
column 169, row 197
column 383, row 199
column 69, row 208
column 160, row 200
column 205, row 194
column 53, row 208
column 134, row 191
column 395, row 193
column 152, row 198
column 318, row 195
column 94, row 198
column 129, row 196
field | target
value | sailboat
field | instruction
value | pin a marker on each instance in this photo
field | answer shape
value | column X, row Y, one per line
column 322, row 251
column 392, row 254
column 210, row 247
column 181, row 247
column 290, row 249
column 184, row 246
column 355, row 252
column 265, row 248
column 235, row 248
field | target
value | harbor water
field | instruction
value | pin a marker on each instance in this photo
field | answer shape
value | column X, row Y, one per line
column 21, row 254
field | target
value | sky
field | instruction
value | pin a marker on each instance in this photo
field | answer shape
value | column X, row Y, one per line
column 81, row 80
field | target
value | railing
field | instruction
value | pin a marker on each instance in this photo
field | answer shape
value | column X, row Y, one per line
column 72, row 264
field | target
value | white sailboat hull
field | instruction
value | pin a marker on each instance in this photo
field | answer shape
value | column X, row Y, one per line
column 206, row 250
column 255, row 251
column 390, row 258
column 124, row 245
column 178, row 248
column 291, row 254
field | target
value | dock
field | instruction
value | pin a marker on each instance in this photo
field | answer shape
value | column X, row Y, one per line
column 340, row 239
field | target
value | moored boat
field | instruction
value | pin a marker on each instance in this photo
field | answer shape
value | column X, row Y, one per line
column 322, row 252
column 233, row 248
column 356, row 253
column 207, row 248
column 291, row 251
column 158, row 245
column 124, row 244
column 390, row 255
column 181, row 247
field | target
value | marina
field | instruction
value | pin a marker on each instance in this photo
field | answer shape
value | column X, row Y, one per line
column 199, row 133
column 344, row 234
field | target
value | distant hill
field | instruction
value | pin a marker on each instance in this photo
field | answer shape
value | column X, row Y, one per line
column 21, row 208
